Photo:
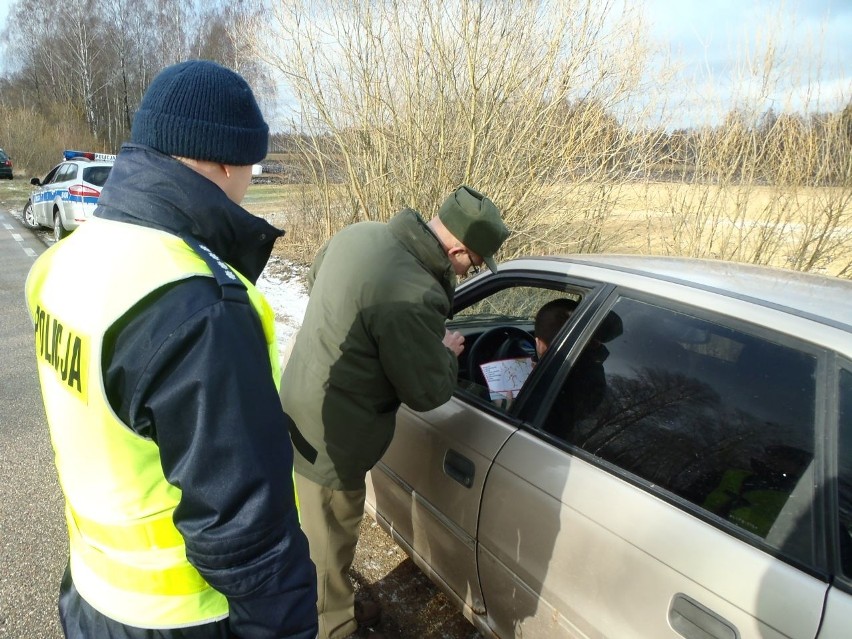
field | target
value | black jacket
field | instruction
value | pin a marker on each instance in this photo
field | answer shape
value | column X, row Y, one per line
column 190, row 370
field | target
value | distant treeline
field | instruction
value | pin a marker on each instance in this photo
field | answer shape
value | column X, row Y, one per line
column 76, row 71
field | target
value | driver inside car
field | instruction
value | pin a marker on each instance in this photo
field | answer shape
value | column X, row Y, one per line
column 549, row 320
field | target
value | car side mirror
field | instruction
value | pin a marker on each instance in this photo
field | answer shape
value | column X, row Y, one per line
column 35, row 182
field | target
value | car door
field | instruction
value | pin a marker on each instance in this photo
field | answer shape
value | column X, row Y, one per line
column 42, row 200
column 64, row 179
column 426, row 489
column 665, row 485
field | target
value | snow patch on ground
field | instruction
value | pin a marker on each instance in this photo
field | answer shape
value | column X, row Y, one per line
column 283, row 285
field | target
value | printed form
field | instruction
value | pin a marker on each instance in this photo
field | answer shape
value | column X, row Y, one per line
column 506, row 376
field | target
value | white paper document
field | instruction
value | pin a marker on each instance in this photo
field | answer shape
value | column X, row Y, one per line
column 506, row 376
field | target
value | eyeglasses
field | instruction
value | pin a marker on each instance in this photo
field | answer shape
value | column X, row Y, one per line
column 473, row 266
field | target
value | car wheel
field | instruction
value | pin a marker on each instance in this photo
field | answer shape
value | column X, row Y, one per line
column 58, row 230
column 28, row 216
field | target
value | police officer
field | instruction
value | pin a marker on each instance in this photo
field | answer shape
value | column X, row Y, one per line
column 158, row 367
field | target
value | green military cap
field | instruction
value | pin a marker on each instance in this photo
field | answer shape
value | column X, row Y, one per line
column 474, row 220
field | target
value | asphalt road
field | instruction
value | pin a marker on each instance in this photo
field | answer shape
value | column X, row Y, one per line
column 32, row 531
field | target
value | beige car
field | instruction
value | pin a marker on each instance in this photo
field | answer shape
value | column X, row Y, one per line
column 678, row 464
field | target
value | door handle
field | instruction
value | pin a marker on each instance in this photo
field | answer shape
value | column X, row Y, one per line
column 459, row 468
column 691, row 620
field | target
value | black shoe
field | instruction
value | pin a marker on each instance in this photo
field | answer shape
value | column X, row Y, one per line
column 367, row 613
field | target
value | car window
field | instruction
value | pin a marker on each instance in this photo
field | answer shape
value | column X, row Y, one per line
column 66, row 173
column 96, row 175
column 719, row 417
column 60, row 172
column 845, row 471
column 58, row 176
column 49, row 178
column 500, row 327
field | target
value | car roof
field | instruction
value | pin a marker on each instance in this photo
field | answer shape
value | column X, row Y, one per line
column 85, row 163
column 827, row 299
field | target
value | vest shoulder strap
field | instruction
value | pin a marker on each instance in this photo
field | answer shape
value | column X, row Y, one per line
column 232, row 287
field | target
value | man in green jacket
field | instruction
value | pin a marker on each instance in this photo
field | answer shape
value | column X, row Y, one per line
column 373, row 337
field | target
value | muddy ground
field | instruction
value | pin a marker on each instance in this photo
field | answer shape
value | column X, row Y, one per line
column 412, row 607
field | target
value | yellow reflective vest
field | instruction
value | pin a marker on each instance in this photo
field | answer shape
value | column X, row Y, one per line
column 127, row 558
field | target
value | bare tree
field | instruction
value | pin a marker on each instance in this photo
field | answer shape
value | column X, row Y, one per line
column 126, row 30
column 769, row 185
column 83, row 67
column 557, row 109
column 421, row 96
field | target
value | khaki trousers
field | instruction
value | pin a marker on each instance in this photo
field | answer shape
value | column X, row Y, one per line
column 331, row 520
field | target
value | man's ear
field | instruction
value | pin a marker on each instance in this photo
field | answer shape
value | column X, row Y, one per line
column 540, row 347
column 456, row 251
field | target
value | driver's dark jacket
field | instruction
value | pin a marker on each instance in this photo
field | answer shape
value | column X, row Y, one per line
column 191, row 371
column 372, row 337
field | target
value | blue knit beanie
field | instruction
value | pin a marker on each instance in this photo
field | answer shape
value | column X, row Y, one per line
column 202, row 111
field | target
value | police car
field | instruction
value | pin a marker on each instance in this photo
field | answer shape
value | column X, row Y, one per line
column 66, row 197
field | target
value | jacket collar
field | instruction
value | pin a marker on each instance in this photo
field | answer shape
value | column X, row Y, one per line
column 148, row 188
column 412, row 232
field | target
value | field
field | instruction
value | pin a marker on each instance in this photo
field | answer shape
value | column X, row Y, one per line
column 803, row 228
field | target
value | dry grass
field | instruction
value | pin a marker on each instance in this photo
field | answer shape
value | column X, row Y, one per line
column 757, row 224
column 293, row 207
column 807, row 228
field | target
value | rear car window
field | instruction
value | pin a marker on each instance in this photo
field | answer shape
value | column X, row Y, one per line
column 719, row 417
column 96, row 175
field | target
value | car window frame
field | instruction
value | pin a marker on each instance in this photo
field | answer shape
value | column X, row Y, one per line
column 547, row 389
column 475, row 291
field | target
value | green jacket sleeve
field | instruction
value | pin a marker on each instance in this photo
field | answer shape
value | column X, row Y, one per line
column 421, row 369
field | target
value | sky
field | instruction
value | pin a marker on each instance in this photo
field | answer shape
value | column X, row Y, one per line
column 714, row 40
column 709, row 40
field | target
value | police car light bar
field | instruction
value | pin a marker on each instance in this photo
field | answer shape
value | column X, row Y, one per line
column 70, row 155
